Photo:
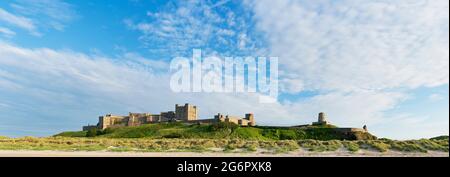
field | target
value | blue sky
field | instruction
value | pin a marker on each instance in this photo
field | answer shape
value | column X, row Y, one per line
column 379, row 63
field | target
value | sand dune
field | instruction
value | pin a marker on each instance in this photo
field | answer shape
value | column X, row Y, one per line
column 299, row 153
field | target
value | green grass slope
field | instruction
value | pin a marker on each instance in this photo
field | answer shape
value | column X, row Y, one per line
column 443, row 137
column 222, row 131
column 73, row 134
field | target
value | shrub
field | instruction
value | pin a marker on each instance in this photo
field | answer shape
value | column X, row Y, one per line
column 105, row 131
column 91, row 132
column 224, row 125
column 322, row 134
column 248, row 133
column 271, row 133
column 288, row 135
column 173, row 135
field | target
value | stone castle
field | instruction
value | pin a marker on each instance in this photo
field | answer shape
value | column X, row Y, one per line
column 186, row 113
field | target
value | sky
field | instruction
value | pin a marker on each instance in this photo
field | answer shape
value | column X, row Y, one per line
column 384, row 64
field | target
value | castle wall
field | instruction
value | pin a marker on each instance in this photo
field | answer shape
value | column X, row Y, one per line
column 89, row 127
column 203, row 121
column 186, row 113
column 170, row 115
column 243, row 122
column 347, row 130
column 110, row 120
column 232, row 120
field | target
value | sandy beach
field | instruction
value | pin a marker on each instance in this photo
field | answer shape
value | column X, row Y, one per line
column 299, row 153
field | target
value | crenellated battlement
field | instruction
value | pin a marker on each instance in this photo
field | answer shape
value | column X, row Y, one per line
column 186, row 113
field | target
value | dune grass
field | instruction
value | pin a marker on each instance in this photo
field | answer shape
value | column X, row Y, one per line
column 224, row 137
column 351, row 146
column 226, row 145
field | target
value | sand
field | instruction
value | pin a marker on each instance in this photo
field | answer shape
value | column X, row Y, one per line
column 298, row 153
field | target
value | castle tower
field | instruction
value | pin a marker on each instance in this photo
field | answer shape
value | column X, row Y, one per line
column 103, row 122
column 187, row 112
column 251, row 119
column 322, row 120
column 131, row 119
column 322, row 117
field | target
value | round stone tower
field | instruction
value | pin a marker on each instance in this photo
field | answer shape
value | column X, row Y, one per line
column 322, row 117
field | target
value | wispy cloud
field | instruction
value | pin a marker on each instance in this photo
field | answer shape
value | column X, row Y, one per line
column 362, row 60
column 53, row 13
column 36, row 16
column 348, row 45
column 436, row 97
column 18, row 21
column 6, row 32
column 353, row 53
column 178, row 28
column 74, row 88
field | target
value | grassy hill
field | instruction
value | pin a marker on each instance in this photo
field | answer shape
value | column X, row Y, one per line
column 223, row 137
column 443, row 137
column 222, row 131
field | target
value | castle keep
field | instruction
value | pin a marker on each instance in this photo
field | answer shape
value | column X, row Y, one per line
column 186, row 113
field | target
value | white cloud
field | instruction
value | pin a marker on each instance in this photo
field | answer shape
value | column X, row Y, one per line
column 18, row 21
column 348, row 45
column 63, row 87
column 64, row 90
column 352, row 108
column 34, row 15
column 52, row 13
column 76, row 88
column 7, row 32
column 4, row 105
column 176, row 30
column 179, row 27
column 291, row 85
column 355, row 54
column 362, row 65
column 436, row 97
